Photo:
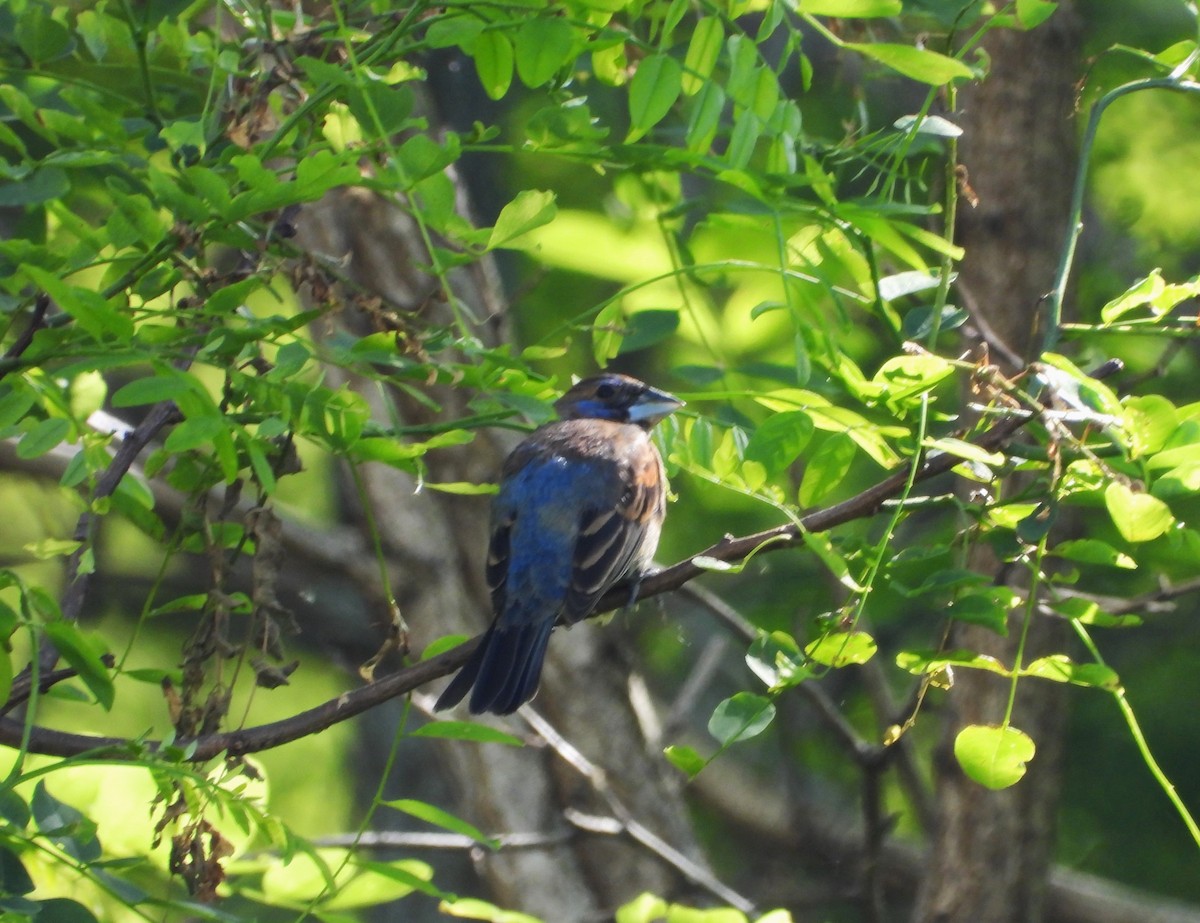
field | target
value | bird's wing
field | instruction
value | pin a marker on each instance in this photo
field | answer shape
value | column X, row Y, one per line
column 496, row 568
column 611, row 535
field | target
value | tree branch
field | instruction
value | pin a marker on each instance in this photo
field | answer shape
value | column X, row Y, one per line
column 267, row 736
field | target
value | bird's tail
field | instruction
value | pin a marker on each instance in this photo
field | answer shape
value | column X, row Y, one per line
column 503, row 672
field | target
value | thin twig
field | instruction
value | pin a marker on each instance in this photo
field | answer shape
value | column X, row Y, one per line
column 37, row 320
column 622, row 821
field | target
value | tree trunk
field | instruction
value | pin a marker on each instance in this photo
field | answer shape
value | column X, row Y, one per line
column 992, row 851
column 435, row 544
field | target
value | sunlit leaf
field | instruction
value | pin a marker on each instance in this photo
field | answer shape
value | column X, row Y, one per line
column 685, row 759
column 1138, row 516
column 493, row 53
column 842, row 648
column 852, row 9
column 779, row 440
column 775, row 658
column 532, row 208
column 1093, row 551
column 544, row 45
column 919, row 662
column 916, row 63
column 995, row 757
column 469, row 731
column 704, row 47
column 652, row 92
column 432, row 814
column 1062, row 669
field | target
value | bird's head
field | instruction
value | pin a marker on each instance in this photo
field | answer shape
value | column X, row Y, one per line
column 619, row 398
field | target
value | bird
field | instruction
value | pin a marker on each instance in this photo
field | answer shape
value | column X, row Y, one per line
column 580, row 508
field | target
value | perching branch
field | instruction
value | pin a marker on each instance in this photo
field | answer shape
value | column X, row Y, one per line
column 51, row 742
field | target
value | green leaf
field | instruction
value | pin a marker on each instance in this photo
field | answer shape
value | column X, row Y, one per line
column 918, row 662
column 987, row 606
column 1093, row 551
column 608, row 330
column 747, row 129
column 163, row 386
column 39, row 186
column 1138, row 516
column 196, row 432
column 704, row 47
column 646, row 328
column 775, row 658
column 826, row 468
column 544, row 46
column 191, row 604
column 852, row 9
column 493, row 54
column 740, row 717
column 705, row 117
column 1032, row 13
column 40, row 36
column 685, row 759
column 1140, row 293
column 1090, row 613
column 48, row 548
column 472, row 908
column 43, row 437
column 469, row 731
column 432, row 814
column 532, row 208
column 902, row 378
column 6, row 681
column 842, row 648
column 915, row 63
column 14, row 878
column 1062, row 669
column 645, row 908
column 995, row 757
column 780, row 439
column 64, row 910
column 448, row 31
column 967, row 450
column 652, row 92
column 14, row 405
column 1150, row 421
column 89, row 308
column 85, row 655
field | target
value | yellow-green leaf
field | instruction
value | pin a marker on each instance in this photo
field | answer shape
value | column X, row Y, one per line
column 840, row 649
column 852, row 9
column 915, row 63
column 708, row 37
column 652, row 92
column 995, row 757
column 493, row 54
column 1138, row 516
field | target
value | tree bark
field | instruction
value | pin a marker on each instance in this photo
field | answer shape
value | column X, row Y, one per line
column 992, row 851
column 435, row 543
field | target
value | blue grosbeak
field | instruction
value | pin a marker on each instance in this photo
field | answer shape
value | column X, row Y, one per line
column 580, row 507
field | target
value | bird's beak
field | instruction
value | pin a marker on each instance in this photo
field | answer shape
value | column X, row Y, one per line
column 653, row 405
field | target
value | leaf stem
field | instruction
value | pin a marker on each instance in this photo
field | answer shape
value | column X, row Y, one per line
column 1139, row 739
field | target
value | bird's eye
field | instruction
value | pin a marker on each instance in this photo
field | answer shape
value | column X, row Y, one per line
column 606, row 391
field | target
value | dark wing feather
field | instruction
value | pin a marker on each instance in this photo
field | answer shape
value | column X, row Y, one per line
column 609, row 544
column 496, row 569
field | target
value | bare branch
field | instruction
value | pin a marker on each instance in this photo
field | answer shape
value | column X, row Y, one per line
column 37, row 320
column 265, row 737
column 622, row 821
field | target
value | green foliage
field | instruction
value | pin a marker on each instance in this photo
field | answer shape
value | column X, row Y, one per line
column 154, row 161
